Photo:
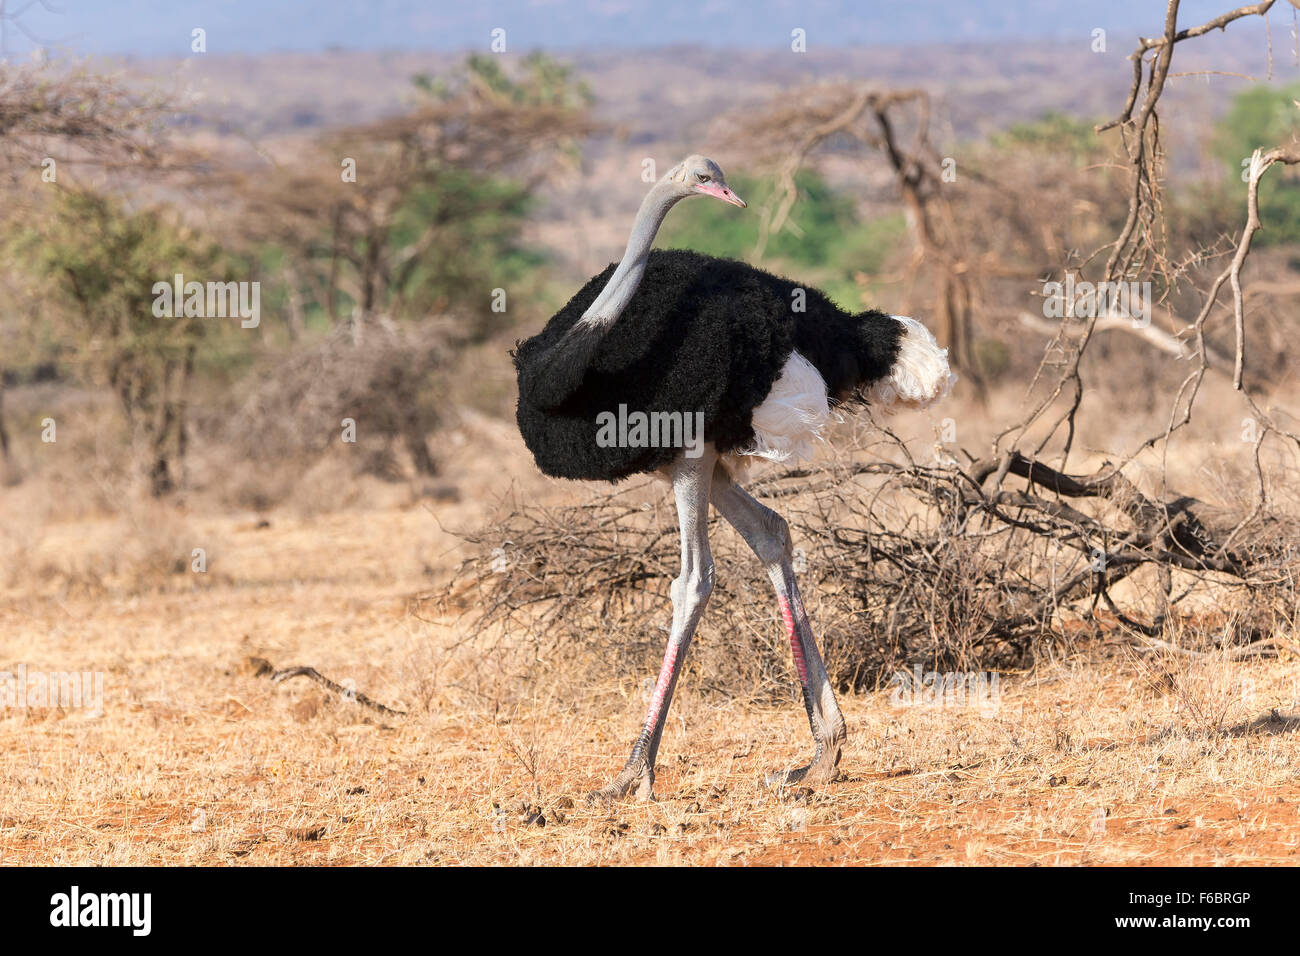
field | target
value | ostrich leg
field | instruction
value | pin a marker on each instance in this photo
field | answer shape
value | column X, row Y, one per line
column 768, row 535
column 691, row 478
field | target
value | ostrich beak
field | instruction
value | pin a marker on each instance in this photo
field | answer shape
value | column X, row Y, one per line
column 721, row 191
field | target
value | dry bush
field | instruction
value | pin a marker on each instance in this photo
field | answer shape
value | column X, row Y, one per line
column 585, row 587
column 901, row 564
column 378, row 374
column 156, row 547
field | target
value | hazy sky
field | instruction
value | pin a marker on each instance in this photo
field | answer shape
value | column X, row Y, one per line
column 162, row 27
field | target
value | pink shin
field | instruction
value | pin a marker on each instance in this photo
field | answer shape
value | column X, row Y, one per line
column 661, row 685
column 796, row 646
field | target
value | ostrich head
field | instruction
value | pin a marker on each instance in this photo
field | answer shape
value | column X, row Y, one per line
column 693, row 176
column 700, row 176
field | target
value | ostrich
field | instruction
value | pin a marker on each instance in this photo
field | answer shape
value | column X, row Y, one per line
column 759, row 361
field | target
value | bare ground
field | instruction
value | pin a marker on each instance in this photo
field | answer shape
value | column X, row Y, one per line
column 1110, row 758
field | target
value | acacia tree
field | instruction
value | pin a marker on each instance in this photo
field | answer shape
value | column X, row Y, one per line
column 389, row 227
column 420, row 213
column 53, row 122
column 99, row 263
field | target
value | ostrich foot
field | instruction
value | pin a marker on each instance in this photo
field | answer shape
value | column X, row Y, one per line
column 821, row 770
column 639, row 776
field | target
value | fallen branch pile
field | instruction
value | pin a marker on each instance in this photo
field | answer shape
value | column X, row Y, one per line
column 903, row 565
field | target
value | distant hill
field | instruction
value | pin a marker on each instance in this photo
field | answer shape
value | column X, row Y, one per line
column 162, row 27
column 672, row 93
column 661, row 102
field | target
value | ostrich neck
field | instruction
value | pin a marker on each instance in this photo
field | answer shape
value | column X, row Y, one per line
column 622, row 285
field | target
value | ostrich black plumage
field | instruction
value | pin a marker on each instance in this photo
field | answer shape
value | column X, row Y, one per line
column 755, row 360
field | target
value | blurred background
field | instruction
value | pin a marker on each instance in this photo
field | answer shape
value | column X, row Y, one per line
column 414, row 187
column 318, row 465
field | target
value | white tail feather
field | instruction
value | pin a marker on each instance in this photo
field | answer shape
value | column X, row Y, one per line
column 920, row 375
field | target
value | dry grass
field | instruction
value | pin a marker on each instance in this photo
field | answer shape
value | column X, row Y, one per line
column 1109, row 758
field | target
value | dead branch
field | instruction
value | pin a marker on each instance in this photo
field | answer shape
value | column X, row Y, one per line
column 796, row 125
column 911, row 564
column 262, row 667
column 1156, row 337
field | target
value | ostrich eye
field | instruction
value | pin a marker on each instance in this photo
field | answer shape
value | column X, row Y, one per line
column 702, row 176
